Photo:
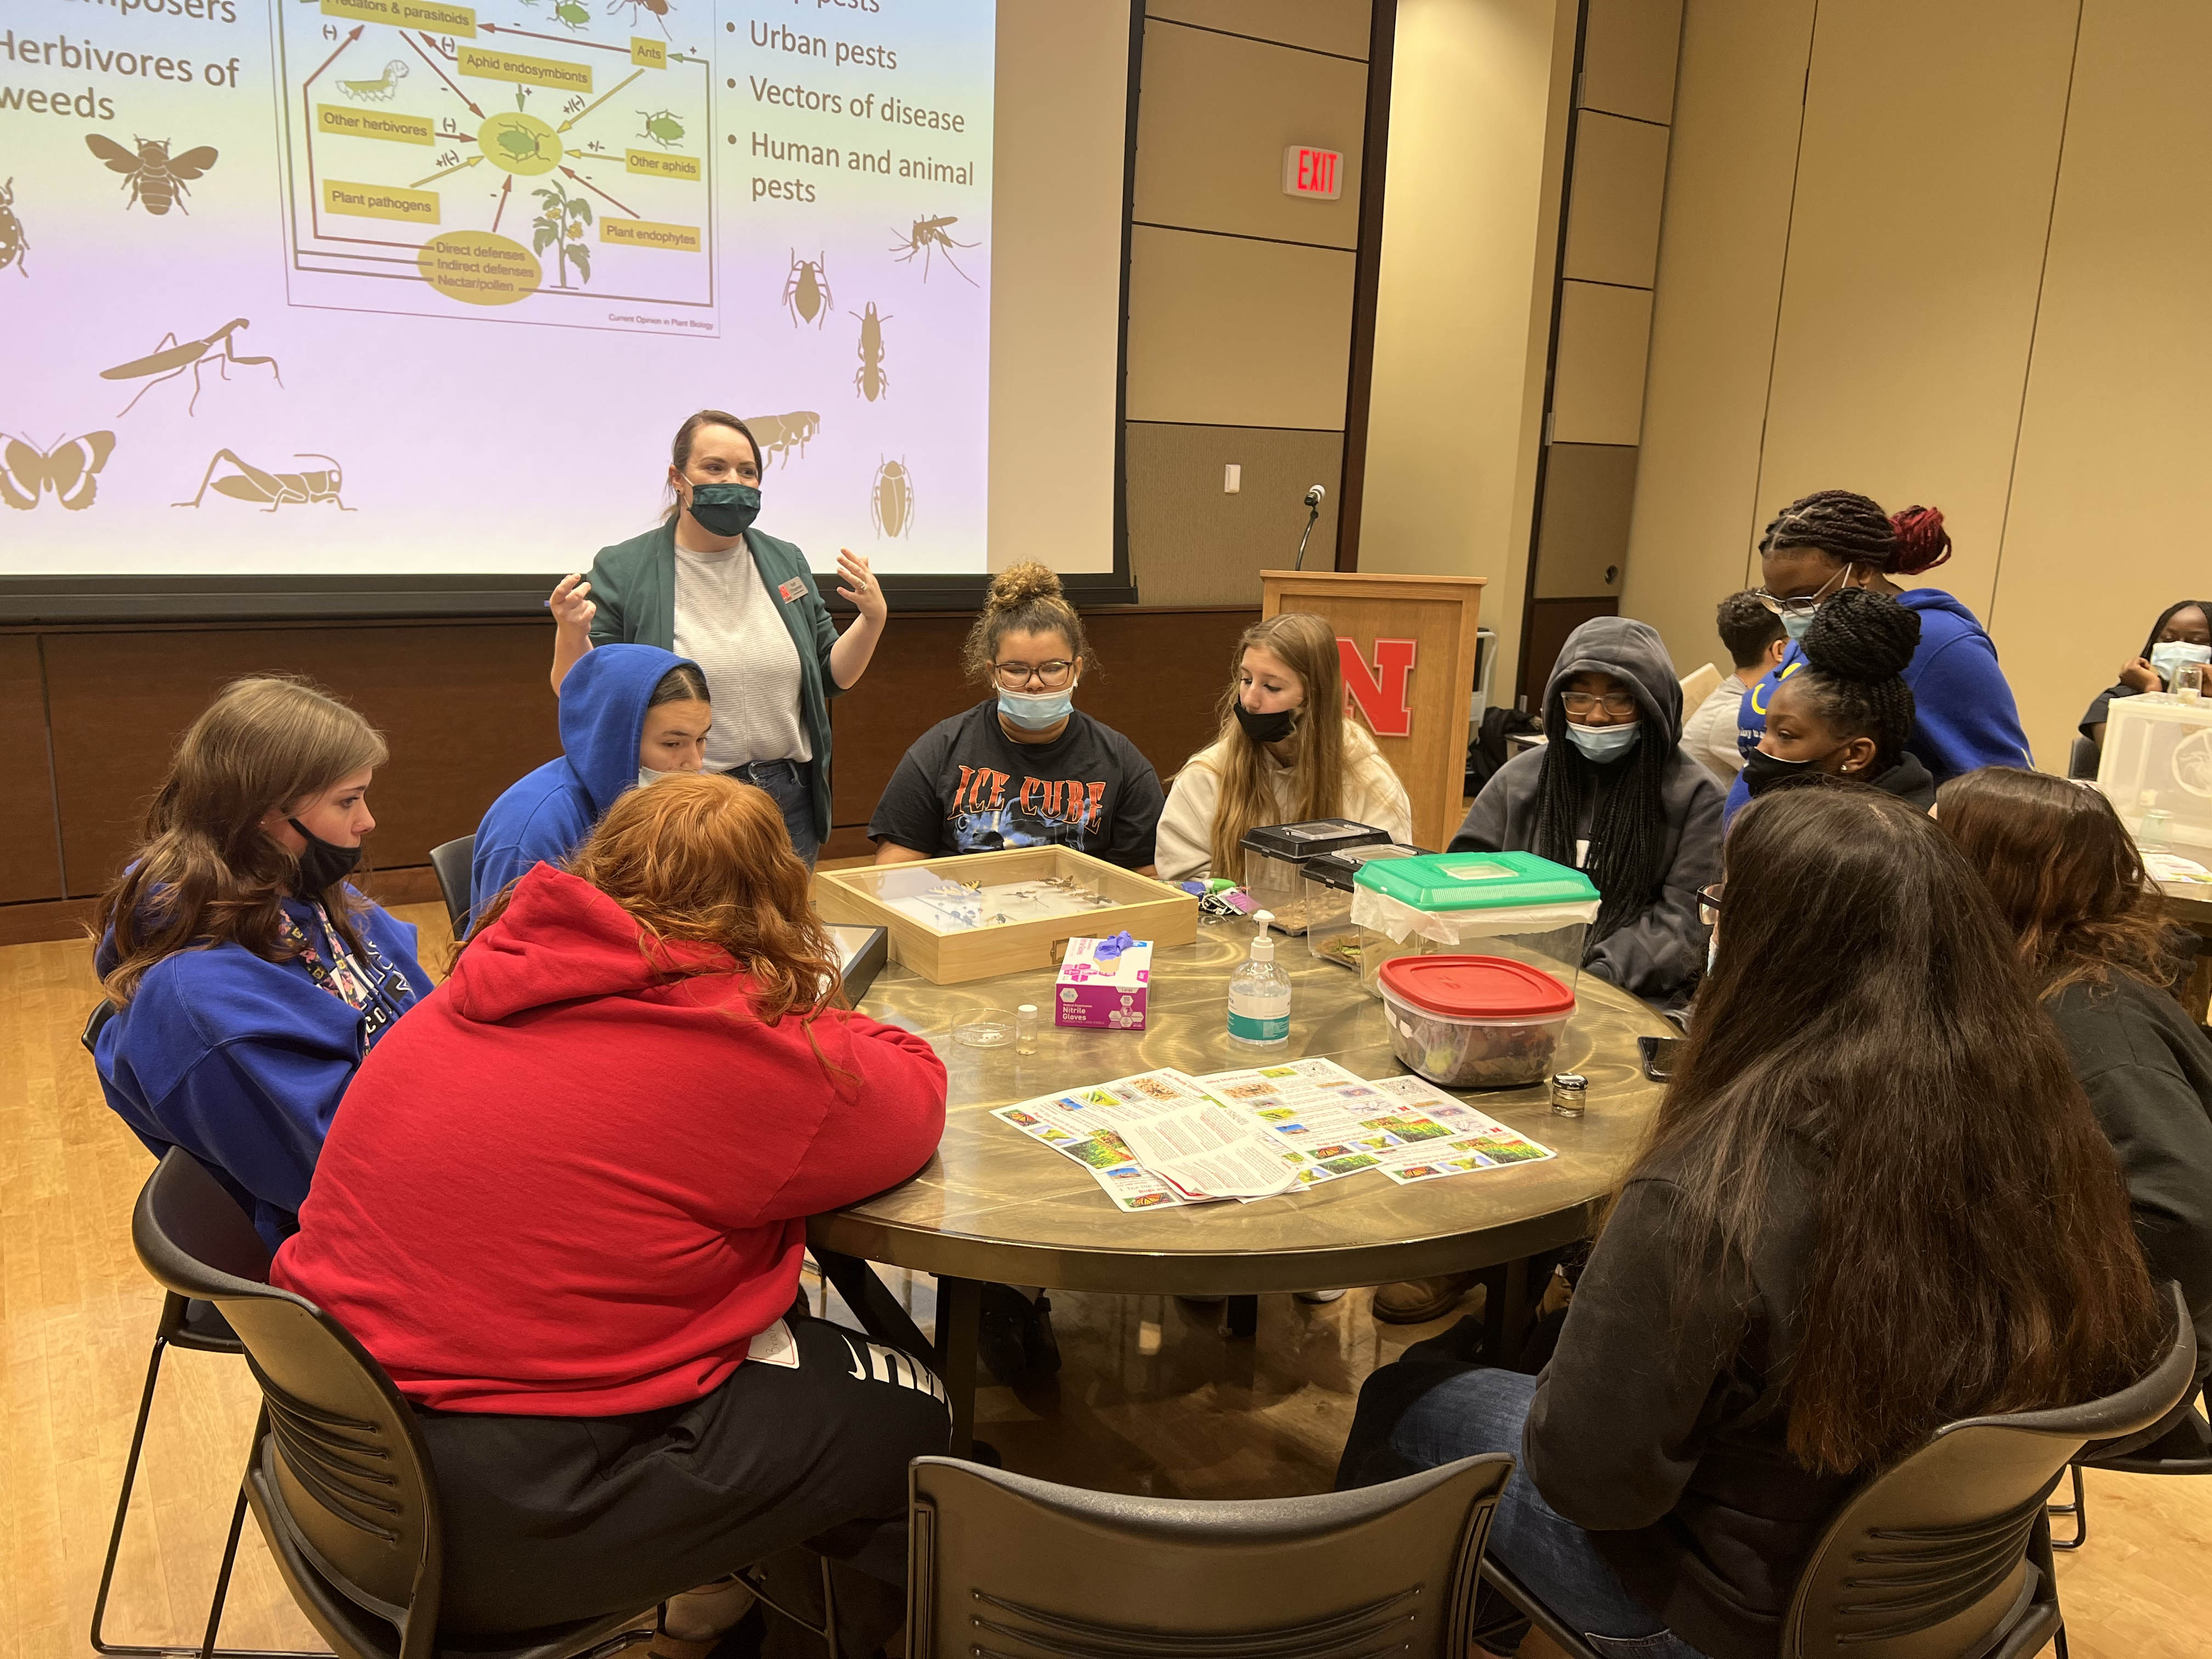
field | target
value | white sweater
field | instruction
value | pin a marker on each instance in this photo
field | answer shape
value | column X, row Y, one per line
column 1372, row 795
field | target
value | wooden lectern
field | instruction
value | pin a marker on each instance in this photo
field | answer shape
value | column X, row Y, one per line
column 1407, row 644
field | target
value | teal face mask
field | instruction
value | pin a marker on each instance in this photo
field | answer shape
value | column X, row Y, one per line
column 1794, row 623
column 725, row 509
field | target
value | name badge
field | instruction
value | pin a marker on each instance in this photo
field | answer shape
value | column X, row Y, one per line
column 791, row 589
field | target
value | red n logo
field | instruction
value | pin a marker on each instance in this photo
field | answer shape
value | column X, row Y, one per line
column 1380, row 692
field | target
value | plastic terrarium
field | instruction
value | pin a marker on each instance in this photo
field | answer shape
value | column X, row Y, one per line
column 1275, row 858
column 1513, row 905
column 1331, row 933
column 977, row 914
column 2156, row 769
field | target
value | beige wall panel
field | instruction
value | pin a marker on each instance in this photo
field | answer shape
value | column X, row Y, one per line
column 1337, row 26
column 1190, row 543
column 2112, row 494
column 1923, row 199
column 1613, row 212
column 1470, row 233
column 1597, row 387
column 1582, row 545
column 1213, row 117
column 1231, row 332
column 1628, row 56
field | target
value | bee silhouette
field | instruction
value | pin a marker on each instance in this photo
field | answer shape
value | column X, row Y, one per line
column 155, row 177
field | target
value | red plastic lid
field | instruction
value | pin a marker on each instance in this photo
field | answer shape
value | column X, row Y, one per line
column 1476, row 987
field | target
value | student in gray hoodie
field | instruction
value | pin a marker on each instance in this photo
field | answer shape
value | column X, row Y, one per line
column 1614, row 794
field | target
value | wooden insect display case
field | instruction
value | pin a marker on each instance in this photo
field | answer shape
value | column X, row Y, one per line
column 978, row 914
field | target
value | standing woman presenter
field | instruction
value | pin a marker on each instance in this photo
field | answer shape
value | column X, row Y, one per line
column 743, row 605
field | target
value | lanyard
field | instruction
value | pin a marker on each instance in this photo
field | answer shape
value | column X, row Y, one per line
column 350, row 981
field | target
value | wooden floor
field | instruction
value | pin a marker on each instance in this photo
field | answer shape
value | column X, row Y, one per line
column 1152, row 1398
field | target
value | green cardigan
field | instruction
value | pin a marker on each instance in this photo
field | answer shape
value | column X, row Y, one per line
column 634, row 584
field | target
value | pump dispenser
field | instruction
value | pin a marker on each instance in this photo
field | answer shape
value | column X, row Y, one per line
column 1260, row 994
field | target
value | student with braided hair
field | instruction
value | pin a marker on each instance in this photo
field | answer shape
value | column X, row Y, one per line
column 2182, row 634
column 1824, row 543
column 1844, row 710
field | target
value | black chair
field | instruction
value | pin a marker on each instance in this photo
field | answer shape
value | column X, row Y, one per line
column 1022, row 1569
column 339, row 1480
column 1947, row 1554
column 449, row 862
column 2083, row 757
column 2142, row 1459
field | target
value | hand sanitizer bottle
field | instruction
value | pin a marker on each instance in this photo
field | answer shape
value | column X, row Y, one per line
column 1260, row 995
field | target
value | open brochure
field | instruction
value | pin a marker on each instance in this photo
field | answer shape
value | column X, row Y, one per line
column 1157, row 1138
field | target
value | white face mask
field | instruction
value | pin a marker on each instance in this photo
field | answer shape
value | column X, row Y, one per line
column 1604, row 743
column 2169, row 654
column 645, row 774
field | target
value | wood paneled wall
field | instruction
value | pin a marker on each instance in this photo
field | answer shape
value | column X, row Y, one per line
column 89, row 718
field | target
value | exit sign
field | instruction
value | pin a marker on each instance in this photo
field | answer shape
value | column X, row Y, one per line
column 1317, row 174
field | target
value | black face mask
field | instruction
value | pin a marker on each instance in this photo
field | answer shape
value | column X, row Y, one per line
column 1267, row 728
column 322, row 864
column 1762, row 771
column 725, row 509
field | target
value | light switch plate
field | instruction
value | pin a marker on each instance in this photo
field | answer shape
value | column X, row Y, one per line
column 1232, row 479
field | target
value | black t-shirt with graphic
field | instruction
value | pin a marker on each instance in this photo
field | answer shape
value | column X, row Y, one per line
column 966, row 786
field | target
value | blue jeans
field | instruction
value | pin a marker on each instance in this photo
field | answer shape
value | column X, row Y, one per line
column 1484, row 1410
column 790, row 785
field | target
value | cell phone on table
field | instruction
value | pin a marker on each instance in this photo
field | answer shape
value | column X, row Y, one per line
column 1658, row 1056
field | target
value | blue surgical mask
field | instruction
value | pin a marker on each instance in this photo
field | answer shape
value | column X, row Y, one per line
column 2169, row 654
column 1034, row 711
column 1604, row 743
column 1794, row 623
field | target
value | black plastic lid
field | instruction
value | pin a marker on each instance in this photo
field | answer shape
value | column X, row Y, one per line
column 1337, row 870
column 1297, row 842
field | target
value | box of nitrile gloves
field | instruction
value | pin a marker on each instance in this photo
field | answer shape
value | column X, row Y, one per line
column 1102, row 983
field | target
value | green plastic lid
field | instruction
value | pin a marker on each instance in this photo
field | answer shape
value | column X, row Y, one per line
column 1476, row 881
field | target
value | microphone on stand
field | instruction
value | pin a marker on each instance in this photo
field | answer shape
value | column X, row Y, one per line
column 1313, row 514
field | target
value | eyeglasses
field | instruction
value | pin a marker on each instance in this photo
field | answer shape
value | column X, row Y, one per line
column 1589, row 702
column 1709, row 903
column 1051, row 676
column 1803, row 606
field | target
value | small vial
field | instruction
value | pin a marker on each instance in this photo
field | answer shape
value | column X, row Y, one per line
column 1025, row 1028
column 1569, row 1093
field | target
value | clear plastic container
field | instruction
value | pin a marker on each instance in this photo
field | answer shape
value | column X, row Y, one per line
column 2156, row 769
column 1474, row 1022
column 1275, row 858
column 1331, row 933
column 1506, row 904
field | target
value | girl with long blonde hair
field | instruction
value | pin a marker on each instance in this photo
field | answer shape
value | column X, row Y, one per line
column 1287, row 753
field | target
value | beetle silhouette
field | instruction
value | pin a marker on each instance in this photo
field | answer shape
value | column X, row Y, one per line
column 890, row 503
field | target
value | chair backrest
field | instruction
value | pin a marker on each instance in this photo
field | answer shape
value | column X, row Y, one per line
column 95, row 1023
column 1929, row 1558
column 1005, row 1565
column 450, row 861
column 350, row 1473
column 2082, row 758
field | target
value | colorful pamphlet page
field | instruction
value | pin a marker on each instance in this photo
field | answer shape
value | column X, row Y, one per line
column 1157, row 1138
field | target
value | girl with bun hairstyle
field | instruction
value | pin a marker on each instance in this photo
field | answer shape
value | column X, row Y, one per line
column 1844, row 710
column 1024, row 767
column 1824, row 543
column 1286, row 753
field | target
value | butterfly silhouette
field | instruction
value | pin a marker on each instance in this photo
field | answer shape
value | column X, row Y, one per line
column 71, row 469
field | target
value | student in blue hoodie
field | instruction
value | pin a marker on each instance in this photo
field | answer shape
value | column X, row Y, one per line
column 629, row 714
column 248, row 978
column 1965, row 716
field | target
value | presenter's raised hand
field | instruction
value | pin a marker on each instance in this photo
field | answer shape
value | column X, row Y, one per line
column 860, row 588
column 571, row 604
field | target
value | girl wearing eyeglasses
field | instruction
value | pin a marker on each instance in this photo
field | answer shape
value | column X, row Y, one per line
column 1614, row 794
column 1024, row 767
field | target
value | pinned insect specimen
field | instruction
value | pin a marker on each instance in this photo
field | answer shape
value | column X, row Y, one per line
column 573, row 15
column 777, row 433
column 891, row 500
column 662, row 127
column 253, row 484
column 155, row 177
column 927, row 238
column 658, row 9
column 14, row 243
column 71, row 469
column 172, row 357
column 807, row 290
column 869, row 379
column 379, row 91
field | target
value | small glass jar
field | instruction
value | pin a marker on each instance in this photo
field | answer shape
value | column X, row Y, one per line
column 1025, row 1028
column 1569, row 1093
column 2189, row 682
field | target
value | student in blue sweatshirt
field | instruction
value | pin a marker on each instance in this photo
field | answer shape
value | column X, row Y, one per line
column 1964, row 717
column 629, row 714
column 248, row 978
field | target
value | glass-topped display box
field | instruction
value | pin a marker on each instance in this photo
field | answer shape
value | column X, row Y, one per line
column 977, row 915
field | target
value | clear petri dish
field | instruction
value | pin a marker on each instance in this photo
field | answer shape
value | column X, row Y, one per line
column 993, row 1029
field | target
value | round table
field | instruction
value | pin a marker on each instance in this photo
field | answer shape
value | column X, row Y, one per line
column 995, row 1205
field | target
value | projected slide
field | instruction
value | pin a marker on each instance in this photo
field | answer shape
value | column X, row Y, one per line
column 368, row 286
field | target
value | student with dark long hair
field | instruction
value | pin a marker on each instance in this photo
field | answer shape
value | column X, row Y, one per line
column 1844, row 710
column 1758, row 1327
column 566, row 1213
column 2096, row 943
column 2182, row 634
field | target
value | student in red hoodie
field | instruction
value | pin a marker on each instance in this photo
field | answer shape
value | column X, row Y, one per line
column 564, row 1206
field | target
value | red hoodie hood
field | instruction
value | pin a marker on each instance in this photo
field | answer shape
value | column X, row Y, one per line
column 559, row 940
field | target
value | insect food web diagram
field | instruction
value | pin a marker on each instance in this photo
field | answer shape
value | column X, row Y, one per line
column 358, row 286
